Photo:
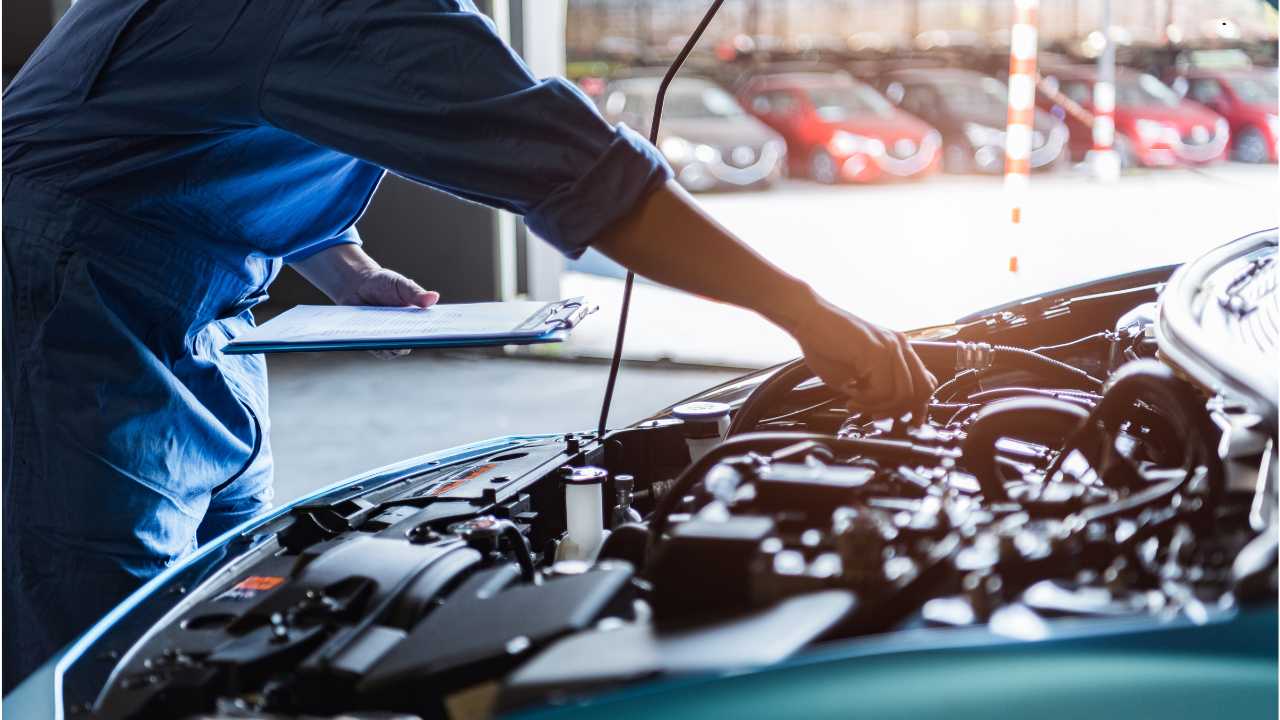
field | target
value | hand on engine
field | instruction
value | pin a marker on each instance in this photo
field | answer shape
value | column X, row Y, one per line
column 874, row 366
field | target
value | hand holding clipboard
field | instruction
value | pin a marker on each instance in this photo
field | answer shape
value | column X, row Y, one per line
column 315, row 328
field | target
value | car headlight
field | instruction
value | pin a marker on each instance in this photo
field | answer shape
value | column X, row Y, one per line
column 1151, row 131
column 846, row 143
column 980, row 135
column 1273, row 124
column 1220, row 128
column 677, row 149
column 776, row 147
column 932, row 139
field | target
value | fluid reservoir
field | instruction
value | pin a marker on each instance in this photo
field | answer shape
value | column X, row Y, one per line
column 705, row 425
column 583, row 512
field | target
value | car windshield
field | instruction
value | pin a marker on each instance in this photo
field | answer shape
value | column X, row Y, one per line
column 684, row 100
column 1260, row 89
column 1145, row 91
column 840, row 102
column 695, row 100
column 979, row 96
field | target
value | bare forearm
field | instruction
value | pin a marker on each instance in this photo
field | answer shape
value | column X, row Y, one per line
column 335, row 270
column 349, row 276
column 669, row 239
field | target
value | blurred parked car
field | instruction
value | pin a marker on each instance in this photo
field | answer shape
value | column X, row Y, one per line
column 710, row 141
column 839, row 129
column 1155, row 127
column 971, row 109
column 1247, row 98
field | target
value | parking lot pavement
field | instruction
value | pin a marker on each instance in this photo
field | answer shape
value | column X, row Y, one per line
column 334, row 415
column 908, row 255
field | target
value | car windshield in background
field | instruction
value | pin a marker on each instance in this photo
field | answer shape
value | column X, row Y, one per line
column 694, row 101
column 834, row 103
column 684, row 100
column 1145, row 91
column 1257, row 89
column 975, row 97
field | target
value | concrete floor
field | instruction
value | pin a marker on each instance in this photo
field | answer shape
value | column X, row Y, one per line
column 337, row 414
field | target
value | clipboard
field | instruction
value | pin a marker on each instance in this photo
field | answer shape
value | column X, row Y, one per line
column 320, row 328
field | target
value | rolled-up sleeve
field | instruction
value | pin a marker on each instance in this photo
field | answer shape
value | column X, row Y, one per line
column 426, row 89
column 350, row 236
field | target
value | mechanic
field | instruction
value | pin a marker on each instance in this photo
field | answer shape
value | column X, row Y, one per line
column 164, row 158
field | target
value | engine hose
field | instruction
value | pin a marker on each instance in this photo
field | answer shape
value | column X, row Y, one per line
column 898, row 450
column 962, row 355
column 769, row 392
column 1073, row 344
column 1037, row 419
column 980, row 356
column 959, row 384
column 520, row 547
column 1177, row 402
column 1074, row 396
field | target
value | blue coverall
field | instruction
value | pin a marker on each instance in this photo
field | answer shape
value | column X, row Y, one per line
column 162, row 159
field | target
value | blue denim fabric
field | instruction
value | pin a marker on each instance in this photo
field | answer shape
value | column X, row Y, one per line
column 162, row 159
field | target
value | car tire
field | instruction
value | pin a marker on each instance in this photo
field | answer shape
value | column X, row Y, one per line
column 1250, row 146
column 1124, row 146
column 823, row 168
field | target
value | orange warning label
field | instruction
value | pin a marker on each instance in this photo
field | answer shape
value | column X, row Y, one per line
column 251, row 587
column 471, row 474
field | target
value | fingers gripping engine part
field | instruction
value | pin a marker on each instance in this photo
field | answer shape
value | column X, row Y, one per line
column 970, row 360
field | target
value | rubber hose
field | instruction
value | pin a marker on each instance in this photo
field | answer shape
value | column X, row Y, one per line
column 1177, row 401
column 1006, row 392
column 520, row 546
column 1073, row 344
column 766, row 394
column 935, row 353
column 1038, row 419
column 961, row 381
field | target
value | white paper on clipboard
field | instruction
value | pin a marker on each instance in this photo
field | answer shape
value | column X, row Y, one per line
column 333, row 326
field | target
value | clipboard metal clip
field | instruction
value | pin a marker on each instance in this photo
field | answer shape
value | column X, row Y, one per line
column 566, row 314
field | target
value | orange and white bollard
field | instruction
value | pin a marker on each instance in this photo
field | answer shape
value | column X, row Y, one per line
column 1020, row 123
column 1103, row 158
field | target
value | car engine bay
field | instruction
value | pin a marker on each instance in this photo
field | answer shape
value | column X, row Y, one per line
column 1086, row 459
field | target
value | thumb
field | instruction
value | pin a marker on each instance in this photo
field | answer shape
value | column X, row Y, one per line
column 411, row 293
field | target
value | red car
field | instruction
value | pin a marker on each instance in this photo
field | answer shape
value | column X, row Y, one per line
column 1155, row 127
column 840, row 130
column 1247, row 98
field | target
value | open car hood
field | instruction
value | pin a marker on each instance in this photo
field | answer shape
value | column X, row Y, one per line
column 976, row 562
